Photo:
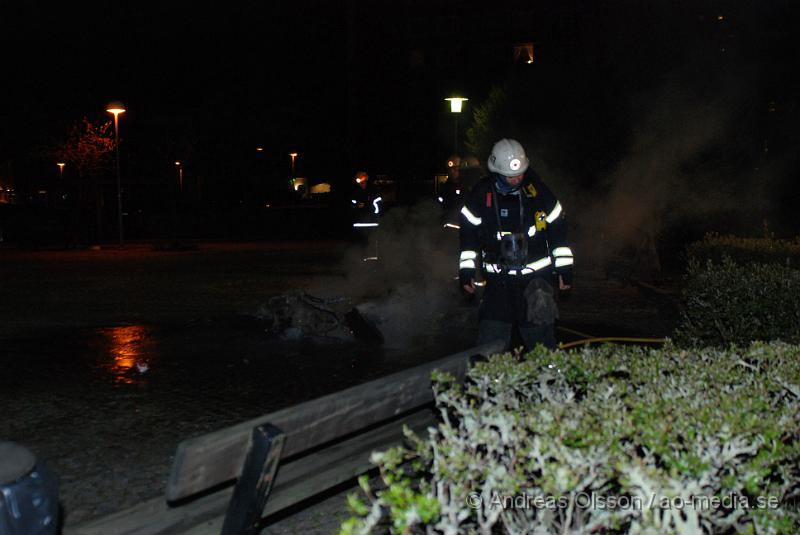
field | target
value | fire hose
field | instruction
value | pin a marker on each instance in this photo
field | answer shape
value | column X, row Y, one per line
column 589, row 339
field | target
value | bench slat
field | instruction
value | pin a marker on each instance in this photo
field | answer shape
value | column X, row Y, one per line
column 253, row 486
column 295, row 481
column 209, row 460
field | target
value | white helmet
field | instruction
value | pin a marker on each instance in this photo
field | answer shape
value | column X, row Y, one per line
column 508, row 158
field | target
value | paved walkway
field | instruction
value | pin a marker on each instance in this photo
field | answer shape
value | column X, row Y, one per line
column 110, row 358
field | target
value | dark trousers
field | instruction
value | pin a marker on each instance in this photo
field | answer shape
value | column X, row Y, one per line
column 532, row 335
column 504, row 307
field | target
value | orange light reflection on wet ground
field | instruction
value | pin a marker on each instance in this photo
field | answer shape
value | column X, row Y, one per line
column 127, row 356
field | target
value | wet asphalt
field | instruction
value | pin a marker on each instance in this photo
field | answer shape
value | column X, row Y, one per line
column 105, row 405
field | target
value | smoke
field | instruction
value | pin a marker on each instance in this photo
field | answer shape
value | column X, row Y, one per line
column 411, row 291
column 419, row 260
column 688, row 163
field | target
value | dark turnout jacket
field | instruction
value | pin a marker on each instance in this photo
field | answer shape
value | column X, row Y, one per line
column 532, row 210
column 366, row 203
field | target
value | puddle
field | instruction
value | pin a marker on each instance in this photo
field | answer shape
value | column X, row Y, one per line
column 129, row 354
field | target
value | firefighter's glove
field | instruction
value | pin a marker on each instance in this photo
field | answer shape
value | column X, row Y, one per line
column 466, row 277
column 565, row 274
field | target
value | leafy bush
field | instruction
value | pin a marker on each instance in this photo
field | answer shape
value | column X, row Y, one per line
column 728, row 302
column 767, row 250
column 611, row 439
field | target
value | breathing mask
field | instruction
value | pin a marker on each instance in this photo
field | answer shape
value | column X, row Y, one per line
column 513, row 251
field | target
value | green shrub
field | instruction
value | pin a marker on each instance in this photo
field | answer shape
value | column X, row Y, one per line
column 728, row 302
column 610, row 439
column 767, row 250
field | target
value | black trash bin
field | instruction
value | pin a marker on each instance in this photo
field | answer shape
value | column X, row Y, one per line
column 28, row 493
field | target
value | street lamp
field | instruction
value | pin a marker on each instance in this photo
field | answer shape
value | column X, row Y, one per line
column 455, row 107
column 180, row 175
column 61, row 170
column 116, row 108
column 293, row 155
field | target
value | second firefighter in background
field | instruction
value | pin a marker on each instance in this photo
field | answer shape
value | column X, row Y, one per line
column 367, row 207
column 513, row 228
column 366, row 201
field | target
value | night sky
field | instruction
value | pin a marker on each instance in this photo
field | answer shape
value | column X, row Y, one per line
column 360, row 84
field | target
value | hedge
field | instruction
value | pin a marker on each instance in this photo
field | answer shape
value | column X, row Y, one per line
column 608, row 439
column 767, row 250
column 728, row 302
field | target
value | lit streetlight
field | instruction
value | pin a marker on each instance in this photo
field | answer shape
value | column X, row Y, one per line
column 293, row 155
column 61, row 170
column 180, row 175
column 116, row 108
column 456, row 104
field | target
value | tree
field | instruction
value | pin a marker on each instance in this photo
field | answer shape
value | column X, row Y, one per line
column 486, row 119
column 88, row 148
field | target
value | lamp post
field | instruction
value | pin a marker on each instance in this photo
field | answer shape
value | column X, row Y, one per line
column 293, row 155
column 61, row 170
column 116, row 108
column 175, row 204
column 455, row 108
column 180, row 175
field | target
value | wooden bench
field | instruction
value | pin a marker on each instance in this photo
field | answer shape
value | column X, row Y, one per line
column 286, row 456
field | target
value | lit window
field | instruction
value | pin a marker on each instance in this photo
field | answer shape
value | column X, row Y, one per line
column 523, row 52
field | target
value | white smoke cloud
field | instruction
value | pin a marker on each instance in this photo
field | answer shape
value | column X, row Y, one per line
column 687, row 164
column 412, row 291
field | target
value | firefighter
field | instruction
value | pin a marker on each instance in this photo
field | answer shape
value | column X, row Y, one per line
column 367, row 206
column 366, row 202
column 462, row 174
column 451, row 195
column 513, row 228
